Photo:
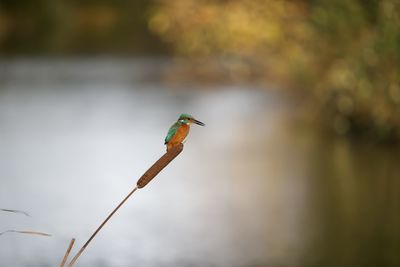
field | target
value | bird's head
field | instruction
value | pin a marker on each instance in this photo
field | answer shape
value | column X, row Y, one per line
column 188, row 119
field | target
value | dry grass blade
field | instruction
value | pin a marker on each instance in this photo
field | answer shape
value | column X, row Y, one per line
column 26, row 232
column 16, row 211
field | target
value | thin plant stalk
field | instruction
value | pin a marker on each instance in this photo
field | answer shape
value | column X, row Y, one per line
column 160, row 164
column 71, row 244
column 99, row 228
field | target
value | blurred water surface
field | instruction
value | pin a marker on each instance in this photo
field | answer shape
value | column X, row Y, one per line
column 252, row 188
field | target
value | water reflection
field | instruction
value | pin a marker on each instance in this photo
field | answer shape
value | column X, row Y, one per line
column 251, row 189
column 356, row 203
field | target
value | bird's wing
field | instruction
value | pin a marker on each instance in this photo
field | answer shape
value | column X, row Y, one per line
column 171, row 132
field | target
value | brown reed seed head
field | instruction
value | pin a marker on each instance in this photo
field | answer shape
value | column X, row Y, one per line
column 159, row 165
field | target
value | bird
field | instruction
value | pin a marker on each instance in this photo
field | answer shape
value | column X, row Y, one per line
column 179, row 130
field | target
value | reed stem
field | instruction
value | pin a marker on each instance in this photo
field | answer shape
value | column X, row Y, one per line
column 71, row 244
column 152, row 172
column 99, row 228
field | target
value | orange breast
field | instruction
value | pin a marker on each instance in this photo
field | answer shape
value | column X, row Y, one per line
column 179, row 137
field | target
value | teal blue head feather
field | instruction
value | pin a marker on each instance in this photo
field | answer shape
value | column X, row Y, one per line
column 184, row 116
column 187, row 119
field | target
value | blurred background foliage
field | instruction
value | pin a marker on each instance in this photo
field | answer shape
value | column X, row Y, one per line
column 72, row 27
column 342, row 56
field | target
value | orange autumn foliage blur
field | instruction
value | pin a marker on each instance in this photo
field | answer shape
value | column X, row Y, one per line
column 344, row 55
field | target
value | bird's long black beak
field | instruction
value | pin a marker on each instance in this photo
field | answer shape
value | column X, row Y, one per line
column 199, row 123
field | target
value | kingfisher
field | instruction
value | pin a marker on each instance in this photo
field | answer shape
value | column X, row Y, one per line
column 179, row 130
